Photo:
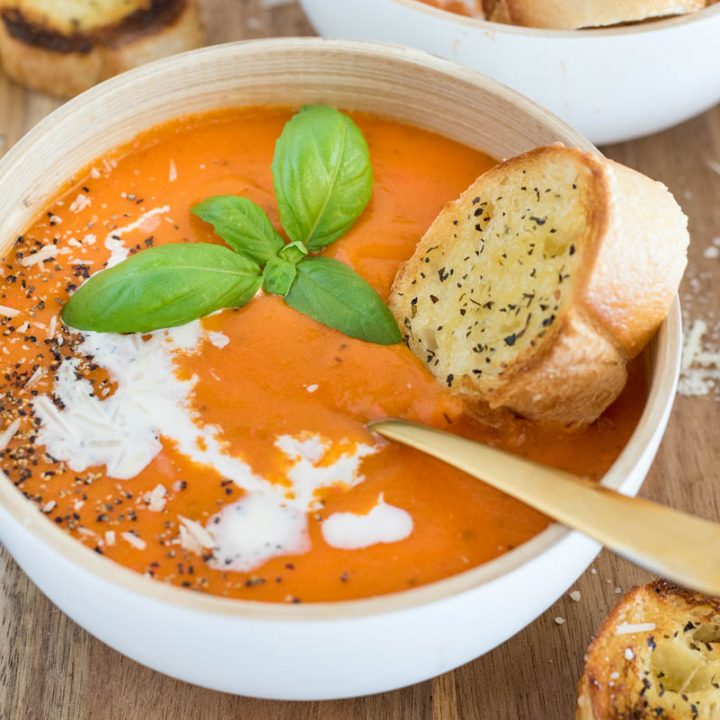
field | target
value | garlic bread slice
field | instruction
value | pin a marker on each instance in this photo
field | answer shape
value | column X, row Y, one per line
column 535, row 287
column 657, row 655
column 63, row 47
column 72, row 17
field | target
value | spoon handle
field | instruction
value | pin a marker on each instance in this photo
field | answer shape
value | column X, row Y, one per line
column 673, row 544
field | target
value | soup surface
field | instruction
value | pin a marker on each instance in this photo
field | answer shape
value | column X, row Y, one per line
column 231, row 456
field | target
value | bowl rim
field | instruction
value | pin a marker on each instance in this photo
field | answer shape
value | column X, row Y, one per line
column 652, row 25
column 57, row 541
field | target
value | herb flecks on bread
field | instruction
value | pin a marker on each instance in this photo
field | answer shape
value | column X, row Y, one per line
column 657, row 655
column 63, row 47
column 535, row 287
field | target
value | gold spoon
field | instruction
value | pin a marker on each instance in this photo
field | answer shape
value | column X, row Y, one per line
column 673, row 544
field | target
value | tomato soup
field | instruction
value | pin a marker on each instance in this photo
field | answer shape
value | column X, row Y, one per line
column 231, row 456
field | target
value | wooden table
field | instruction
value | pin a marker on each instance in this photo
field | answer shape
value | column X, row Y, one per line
column 51, row 669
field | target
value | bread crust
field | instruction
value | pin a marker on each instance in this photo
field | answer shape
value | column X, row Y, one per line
column 574, row 15
column 581, row 373
column 65, row 64
column 632, row 259
column 664, row 667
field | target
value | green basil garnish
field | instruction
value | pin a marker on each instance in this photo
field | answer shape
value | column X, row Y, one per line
column 293, row 252
column 336, row 296
column 163, row 287
column 242, row 224
column 323, row 182
column 322, row 174
column 278, row 276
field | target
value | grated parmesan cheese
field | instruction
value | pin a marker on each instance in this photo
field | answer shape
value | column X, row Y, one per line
column 8, row 311
column 80, row 203
column 9, row 433
column 133, row 540
column 34, row 378
column 700, row 369
column 197, row 532
column 44, row 253
column 147, row 222
column 156, row 498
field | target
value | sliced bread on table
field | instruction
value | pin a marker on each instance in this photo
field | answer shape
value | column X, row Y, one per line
column 657, row 655
column 63, row 47
column 534, row 288
column 577, row 14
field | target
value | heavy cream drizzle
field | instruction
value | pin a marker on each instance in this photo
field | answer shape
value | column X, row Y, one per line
column 124, row 432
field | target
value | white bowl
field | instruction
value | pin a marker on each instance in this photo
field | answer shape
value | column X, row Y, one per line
column 610, row 84
column 327, row 650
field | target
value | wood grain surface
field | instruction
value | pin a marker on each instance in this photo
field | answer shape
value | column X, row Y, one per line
column 51, row 669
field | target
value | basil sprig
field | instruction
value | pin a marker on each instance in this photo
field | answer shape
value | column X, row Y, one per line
column 322, row 175
column 323, row 181
column 163, row 287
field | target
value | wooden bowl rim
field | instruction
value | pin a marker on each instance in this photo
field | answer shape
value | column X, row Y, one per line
column 55, row 540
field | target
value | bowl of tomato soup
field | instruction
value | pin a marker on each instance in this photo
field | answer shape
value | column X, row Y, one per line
column 208, row 499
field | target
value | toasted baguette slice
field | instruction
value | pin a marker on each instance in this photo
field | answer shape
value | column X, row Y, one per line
column 576, row 14
column 657, row 655
column 63, row 47
column 534, row 288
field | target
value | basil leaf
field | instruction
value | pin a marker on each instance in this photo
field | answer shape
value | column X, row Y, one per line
column 242, row 224
column 322, row 174
column 278, row 276
column 336, row 296
column 293, row 252
column 163, row 287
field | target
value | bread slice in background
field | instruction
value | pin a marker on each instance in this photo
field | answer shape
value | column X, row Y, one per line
column 657, row 655
column 63, row 47
column 534, row 288
column 497, row 11
column 576, row 14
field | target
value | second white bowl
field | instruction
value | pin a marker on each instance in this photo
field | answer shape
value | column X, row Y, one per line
column 611, row 84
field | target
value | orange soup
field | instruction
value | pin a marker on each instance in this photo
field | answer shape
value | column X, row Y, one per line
column 231, row 456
